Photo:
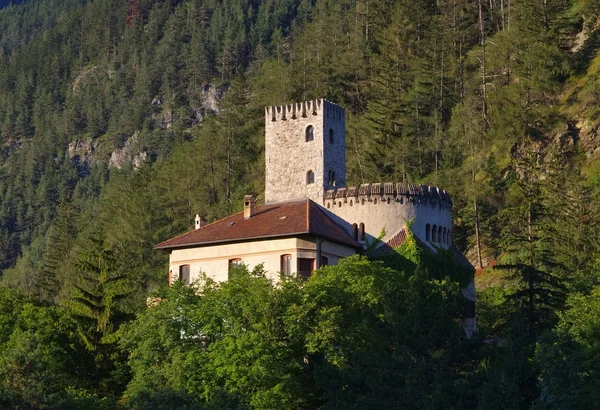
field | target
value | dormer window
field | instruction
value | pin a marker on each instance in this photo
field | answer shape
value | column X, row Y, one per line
column 331, row 136
column 310, row 178
column 310, row 133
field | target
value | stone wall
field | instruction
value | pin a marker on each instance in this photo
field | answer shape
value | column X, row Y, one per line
column 389, row 207
column 289, row 156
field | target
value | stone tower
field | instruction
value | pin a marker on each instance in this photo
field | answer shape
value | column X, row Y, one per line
column 305, row 150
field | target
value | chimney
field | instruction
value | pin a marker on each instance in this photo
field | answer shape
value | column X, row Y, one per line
column 248, row 206
column 200, row 221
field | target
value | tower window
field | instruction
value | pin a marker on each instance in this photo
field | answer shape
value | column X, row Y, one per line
column 355, row 231
column 310, row 133
column 331, row 136
column 428, row 232
column 361, row 227
column 310, row 177
column 434, row 233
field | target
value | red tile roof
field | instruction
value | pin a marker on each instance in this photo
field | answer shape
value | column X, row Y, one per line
column 268, row 221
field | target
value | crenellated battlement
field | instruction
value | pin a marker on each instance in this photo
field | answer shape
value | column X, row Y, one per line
column 305, row 109
column 385, row 192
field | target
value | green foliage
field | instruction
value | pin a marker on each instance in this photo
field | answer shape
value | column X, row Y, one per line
column 569, row 356
column 356, row 335
column 174, row 93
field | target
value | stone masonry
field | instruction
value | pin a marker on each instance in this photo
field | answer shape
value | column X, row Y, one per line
column 290, row 157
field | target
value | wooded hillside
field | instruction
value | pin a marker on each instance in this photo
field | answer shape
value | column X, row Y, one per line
column 120, row 120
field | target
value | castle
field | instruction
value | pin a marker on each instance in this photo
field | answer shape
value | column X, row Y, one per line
column 310, row 218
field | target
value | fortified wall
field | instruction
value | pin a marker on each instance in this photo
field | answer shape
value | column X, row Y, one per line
column 370, row 209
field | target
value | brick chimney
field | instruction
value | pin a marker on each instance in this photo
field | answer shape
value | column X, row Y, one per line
column 248, row 206
column 200, row 221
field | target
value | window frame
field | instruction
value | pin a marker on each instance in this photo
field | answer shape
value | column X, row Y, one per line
column 309, row 133
column 285, row 261
column 186, row 280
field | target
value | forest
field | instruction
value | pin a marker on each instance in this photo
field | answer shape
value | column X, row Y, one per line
column 120, row 120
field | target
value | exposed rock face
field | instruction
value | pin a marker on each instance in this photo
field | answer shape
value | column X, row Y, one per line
column 211, row 103
column 589, row 137
column 129, row 154
column 82, row 151
column 211, row 98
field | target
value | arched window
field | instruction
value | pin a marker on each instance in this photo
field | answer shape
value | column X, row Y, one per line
column 331, row 136
column 310, row 133
column 355, row 231
column 361, row 228
column 286, row 264
column 351, row 203
column 184, row 274
column 439, row 234
column 375, row 201
column 444, row 236
column 232, row 265
column 434, row 232
column 310, row 177
column 331, row 178
column 328, row 205
column 428, row 232
column 340, row 203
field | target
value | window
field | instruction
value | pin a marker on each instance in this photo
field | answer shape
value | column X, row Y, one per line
column 310, row 177
column 434, row 231
column 444, row 235
column 184, row 274
column 428, row 232
column 235, row 262
column 310, row 133
column 331, row 178
column 375, row 201
column 439, row 234
column 286, row 264
column 361, row 227
column 305, row 267
column 351, row 203
column 331, row 136
column 355, row 231
column 324, row 261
